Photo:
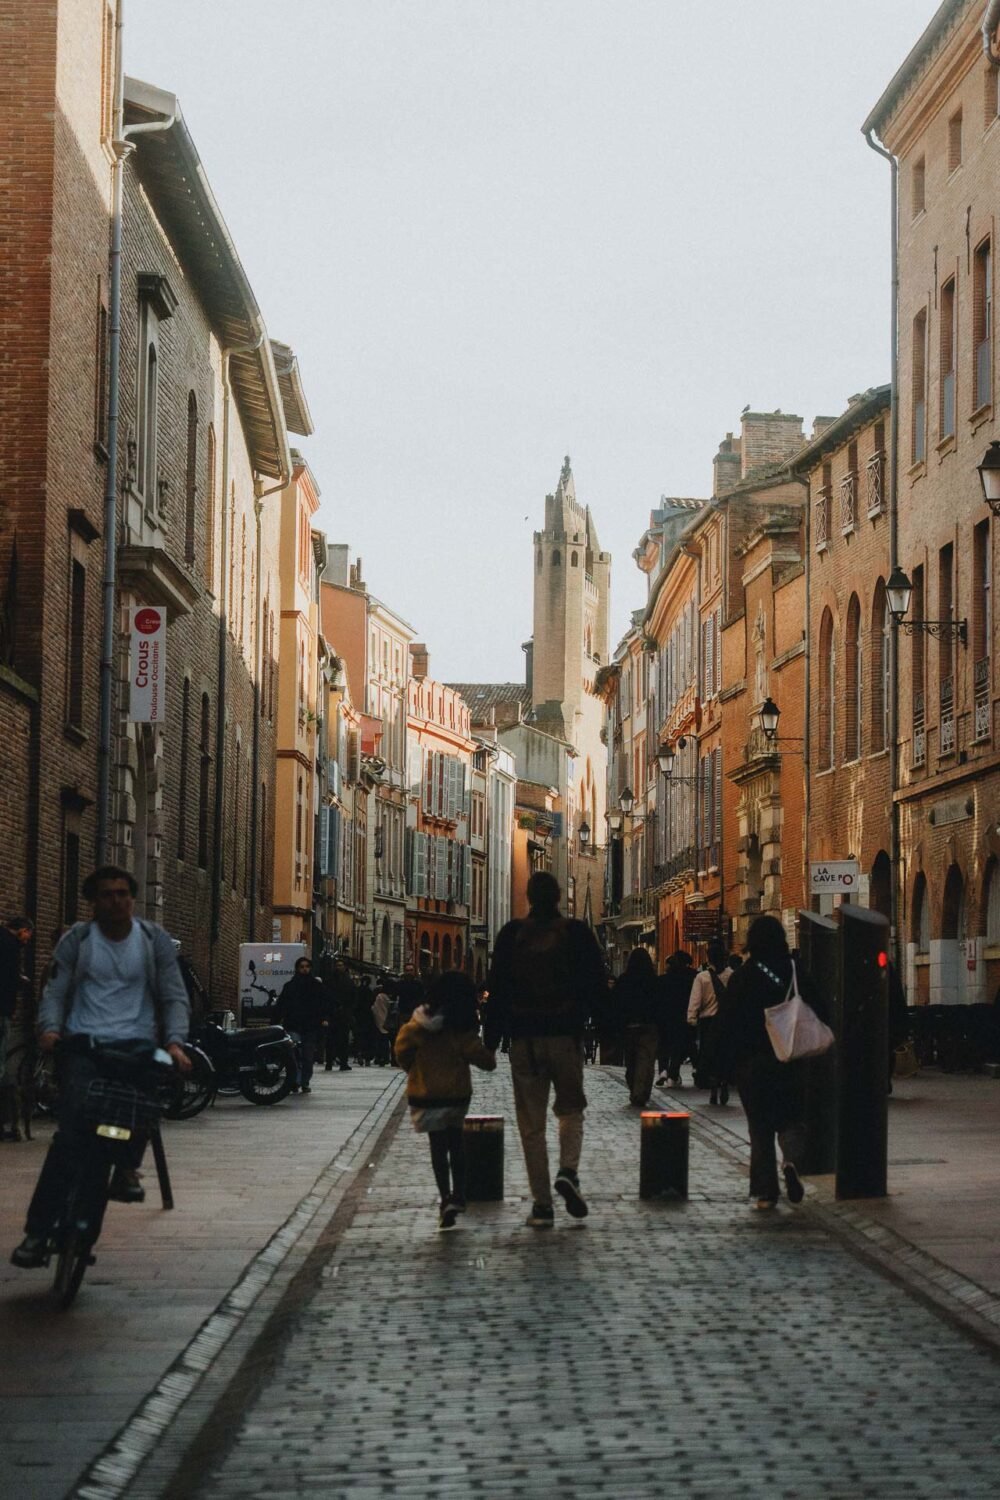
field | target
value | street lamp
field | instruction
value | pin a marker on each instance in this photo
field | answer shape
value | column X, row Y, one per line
column 899, row 592
column 583, row 832
column 626, row 802
column 989, row 475
column 665, row 757
column 770, row 713
column 615, row 821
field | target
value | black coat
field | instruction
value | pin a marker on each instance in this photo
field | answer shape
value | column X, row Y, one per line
column 303, row 1004
column 751, row 990
column 577, row 989
column 674, row 992
column 635, row 1000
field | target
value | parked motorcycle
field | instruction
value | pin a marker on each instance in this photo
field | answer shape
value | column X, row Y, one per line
column 255, row 1061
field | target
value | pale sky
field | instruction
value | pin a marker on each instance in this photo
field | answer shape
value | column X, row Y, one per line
column 499, row 231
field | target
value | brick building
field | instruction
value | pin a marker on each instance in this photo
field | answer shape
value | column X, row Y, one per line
column 940, row 119
column 849, row 692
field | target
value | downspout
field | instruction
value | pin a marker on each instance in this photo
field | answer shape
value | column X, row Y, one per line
column 258, row 508
column 894, row 833
column 696, row 554
column 806, row 716
column 122, row 148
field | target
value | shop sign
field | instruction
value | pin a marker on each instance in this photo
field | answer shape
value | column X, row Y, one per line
column 834, row 877
column 148, row 665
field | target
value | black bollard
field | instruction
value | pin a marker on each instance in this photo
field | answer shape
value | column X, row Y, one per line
column 863, row 1051
column 819, row 943
column 663, row 1153
column 483, row 1136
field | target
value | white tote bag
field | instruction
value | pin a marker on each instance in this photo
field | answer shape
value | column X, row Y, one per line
column 794, row 1028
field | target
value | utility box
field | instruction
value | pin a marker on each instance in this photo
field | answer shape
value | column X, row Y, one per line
column 819, row 941
column 483, row 1136
column 265, row 969
column 663, row 1153
column 863, row 1054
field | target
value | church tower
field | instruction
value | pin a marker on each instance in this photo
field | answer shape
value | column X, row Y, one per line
column 571, row 615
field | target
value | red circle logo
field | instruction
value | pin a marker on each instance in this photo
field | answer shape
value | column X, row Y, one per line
column 147, row 621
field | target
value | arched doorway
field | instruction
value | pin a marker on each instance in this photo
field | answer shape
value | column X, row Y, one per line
column 446, row 952
column 880, row 885
column 436, row 955
column 950, row 986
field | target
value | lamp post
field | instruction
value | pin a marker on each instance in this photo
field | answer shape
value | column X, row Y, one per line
column 989, row 477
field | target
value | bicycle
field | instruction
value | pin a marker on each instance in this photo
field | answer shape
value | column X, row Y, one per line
column 125, row 1102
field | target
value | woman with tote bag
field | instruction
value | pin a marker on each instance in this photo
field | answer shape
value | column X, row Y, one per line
column 772, row 1092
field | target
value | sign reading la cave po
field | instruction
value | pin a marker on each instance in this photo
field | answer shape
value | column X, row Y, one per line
column 148, row 665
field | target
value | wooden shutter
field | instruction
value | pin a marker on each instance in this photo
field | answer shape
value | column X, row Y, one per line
column 323, row 851
column 717, row 757
column 718, row 650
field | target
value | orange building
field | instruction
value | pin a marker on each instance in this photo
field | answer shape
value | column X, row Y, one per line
column 439, row 856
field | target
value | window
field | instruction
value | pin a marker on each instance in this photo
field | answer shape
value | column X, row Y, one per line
column 852, row 667
column 185, row 750
column 946, row 415
column 149, row 399
column 921, row 915
column 881, row 678
column 556, row 558
column 574, row 559
column 955, row 141
column 991, row 95
column 946, row 605
column 71, row 870
column 210, row 510
column 8, row 611
column 918, row 438
column 204, row 777
column 982, row 325
column 298, row 817
column 77, row 636
column 827, row 691
column 190, row 477
column 237, row 799
column 981, row 584
column 101, row 371
column 917, row 186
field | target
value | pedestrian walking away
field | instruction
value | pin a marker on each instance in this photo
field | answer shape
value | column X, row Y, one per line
column 113, row 980
column 304, row 1007
column 703, row 1014
column 546, row 980
column 436, row 1047
column 772, row 1092
column 342, row 1004
column 677, row 1038
column 635, row 999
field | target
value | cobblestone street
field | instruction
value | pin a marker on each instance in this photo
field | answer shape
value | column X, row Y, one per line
column 655, row 1346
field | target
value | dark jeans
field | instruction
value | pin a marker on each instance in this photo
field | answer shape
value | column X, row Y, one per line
column 448, row 1151
column 773, row 1096
column 337, row 1044
column 640, row 1061
column 307, row 1046
column 71, row 1156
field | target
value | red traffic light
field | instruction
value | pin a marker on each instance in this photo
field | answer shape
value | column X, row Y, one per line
column 883, row 960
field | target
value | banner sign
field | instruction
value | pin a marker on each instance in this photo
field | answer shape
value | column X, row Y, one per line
column 701, row 926
column 148, row 665
column 834, row 877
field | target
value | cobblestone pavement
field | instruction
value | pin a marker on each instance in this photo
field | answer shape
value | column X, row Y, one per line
column 698, row 1348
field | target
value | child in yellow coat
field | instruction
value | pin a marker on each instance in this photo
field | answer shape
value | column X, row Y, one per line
column 436, row 1047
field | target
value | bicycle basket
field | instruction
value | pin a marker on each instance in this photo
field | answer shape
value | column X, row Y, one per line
column 112, row 1109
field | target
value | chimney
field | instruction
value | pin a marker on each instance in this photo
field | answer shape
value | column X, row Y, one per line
column 337, row 563
column 419, row 661
column 769, row 437
column 726, row 466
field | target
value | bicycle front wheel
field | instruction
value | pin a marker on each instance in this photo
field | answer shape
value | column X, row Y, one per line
column 71, row 1265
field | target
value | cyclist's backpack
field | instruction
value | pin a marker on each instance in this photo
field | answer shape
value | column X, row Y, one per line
column 544, row 982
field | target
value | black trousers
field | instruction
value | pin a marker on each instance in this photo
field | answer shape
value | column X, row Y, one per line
column 773, row 1096
column 337, row 1043
column 71, row 1157
column 448, row 1161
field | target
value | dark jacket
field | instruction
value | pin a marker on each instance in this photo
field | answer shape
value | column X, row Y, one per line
column 547, row 978
column 10, row 971
column 635, row 1000
column 303, row 1004
column 674, row 992
column 752, row 989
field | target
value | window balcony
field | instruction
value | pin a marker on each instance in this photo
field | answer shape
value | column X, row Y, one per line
column 848, row 501
column 821, row 519
column 981, row 682
column 919, row 732
column 875, row 475
column 947, row 727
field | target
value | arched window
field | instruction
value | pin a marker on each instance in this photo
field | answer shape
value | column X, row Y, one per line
column 185, row 748
column 574, row 559
column 852, row 668
column 191, row 477
column 991, row 903
column 827, row 691
column 881, row 692
column 204, row 778
column 921, row 926
column 556, row 558
column 210, row 510
column 538, row 561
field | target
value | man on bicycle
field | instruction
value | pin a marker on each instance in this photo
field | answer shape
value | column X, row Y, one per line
column 113, row 980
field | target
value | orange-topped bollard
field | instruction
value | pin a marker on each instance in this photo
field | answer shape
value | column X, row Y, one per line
column 663, row 1153
column 483, row 1136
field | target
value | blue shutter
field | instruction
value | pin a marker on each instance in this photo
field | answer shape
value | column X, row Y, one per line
column 324, row 839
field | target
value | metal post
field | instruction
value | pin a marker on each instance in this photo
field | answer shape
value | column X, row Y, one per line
column 863, row 1047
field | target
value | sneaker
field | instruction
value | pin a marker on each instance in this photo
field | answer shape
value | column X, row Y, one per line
column 448, row 1217
column 793, row 1184
column 661, row 1082
column 30, row 1253
column 306, row 1089
column 346, row 1068
column 766, row 1203
column 126, row 1187
column 540, row 1217
column 567, row 1185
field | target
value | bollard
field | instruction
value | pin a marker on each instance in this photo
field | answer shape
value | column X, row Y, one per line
column 863, row 1062
column 663, row 1153
column 819, row 940
column 483, row 1137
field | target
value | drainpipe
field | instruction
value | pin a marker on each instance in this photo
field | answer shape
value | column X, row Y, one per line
column 260, row 495
column 894, row 834
column 123, row 148
column 695, row 553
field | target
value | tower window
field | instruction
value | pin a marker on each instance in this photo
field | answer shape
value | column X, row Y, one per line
column 556, row 558
column 574, row 559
